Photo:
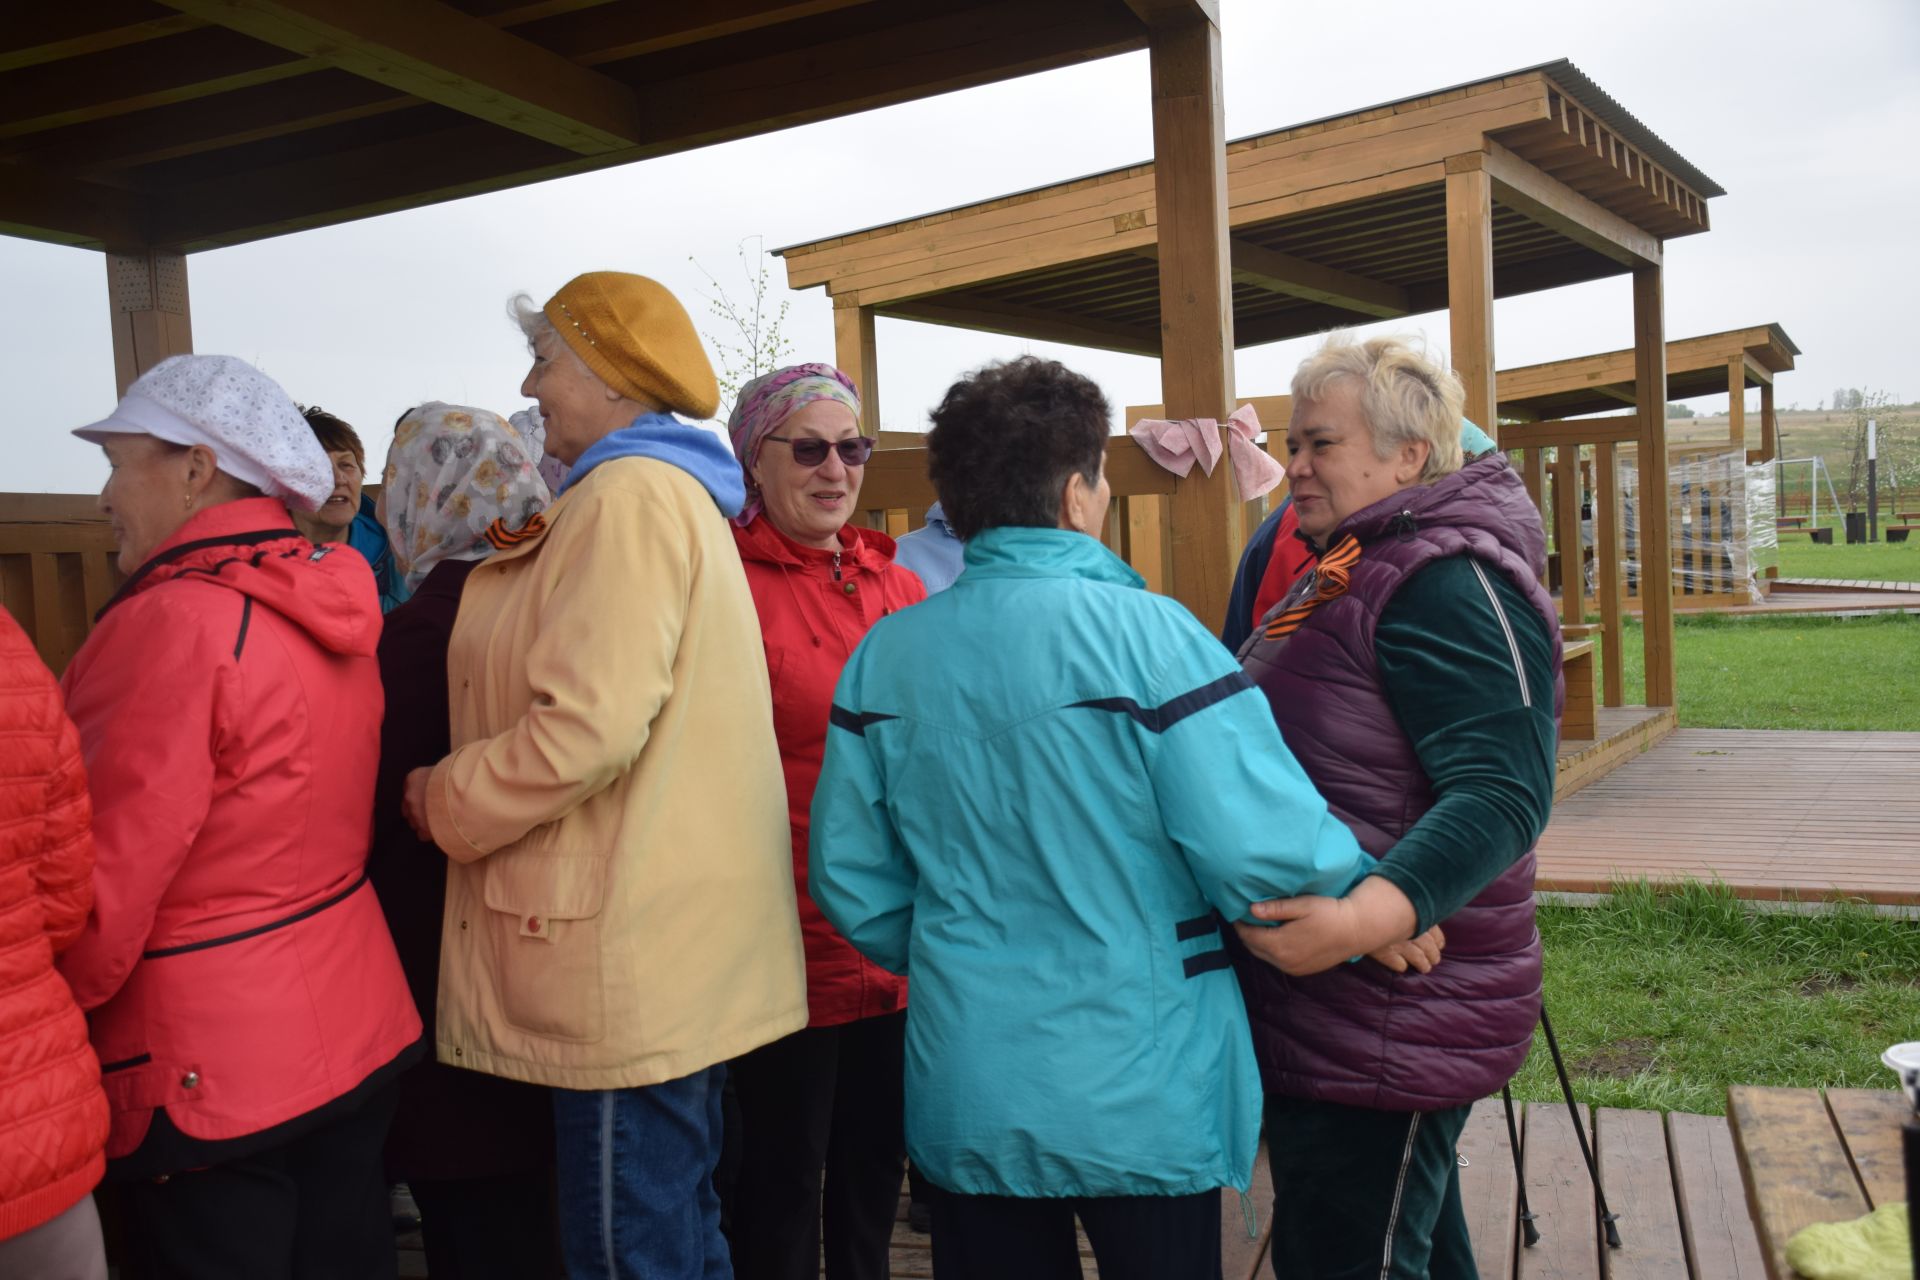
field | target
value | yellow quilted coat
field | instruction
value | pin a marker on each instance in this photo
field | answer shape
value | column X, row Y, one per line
column 620, row 901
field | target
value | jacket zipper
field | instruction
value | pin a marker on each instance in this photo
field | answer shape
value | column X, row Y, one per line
column 836, row 566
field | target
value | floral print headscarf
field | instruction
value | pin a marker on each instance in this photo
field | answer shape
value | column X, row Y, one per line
column 451, row 472
column 770, row 400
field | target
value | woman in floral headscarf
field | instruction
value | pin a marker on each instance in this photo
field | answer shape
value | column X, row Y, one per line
column 476, row 1150
column 829, row 1096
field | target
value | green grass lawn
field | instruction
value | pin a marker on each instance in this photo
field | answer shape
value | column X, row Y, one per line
column 1789, row 673
column 1801, row 557
column 1662, row 999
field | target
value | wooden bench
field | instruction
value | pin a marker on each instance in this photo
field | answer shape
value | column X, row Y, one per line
column 1822, row 535
column 1789, row 522
column 1580, row 718
column 1899, row 532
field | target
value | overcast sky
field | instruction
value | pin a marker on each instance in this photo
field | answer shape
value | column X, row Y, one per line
column 1806, row 113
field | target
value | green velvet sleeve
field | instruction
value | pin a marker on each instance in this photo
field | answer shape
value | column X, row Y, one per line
column 1467, row 664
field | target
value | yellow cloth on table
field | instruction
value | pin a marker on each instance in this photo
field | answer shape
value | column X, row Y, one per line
column 1871, row 1248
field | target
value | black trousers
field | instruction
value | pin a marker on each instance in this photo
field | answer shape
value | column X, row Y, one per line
column 826, row 1098
column 1364, row 1193
column 494, row 1228
column 1133, row 1237
column 314, row 1208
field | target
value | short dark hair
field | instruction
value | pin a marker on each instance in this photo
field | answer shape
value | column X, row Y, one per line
column 335, row 435
column 1005, row 439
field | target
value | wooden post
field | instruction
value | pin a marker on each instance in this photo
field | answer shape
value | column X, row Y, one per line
column 1655, row 519
column 147, row 294
column 854, row 351
column 1737, row 402
column 1566, row 535
column 1533, row 474
column 1769, row 442
column 1196, row 300
column 1470, row 284
column 1607, row 554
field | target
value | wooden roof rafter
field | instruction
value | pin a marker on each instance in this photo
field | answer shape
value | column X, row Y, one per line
column 1596, row 383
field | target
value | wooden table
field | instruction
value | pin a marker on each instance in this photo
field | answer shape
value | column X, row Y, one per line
column 1806, row 1158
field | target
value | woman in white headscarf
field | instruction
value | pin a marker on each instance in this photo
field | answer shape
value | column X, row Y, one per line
column 476, row 1150
column 242, row 991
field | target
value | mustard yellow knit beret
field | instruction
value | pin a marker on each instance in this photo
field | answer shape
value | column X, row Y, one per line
column 637, row 337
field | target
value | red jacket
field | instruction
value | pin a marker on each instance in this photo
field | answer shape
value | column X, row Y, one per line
column 53, row 1117
column 814, row 607
column 237, row 966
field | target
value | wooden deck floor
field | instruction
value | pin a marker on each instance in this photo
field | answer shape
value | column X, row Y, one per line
column 1774, row 814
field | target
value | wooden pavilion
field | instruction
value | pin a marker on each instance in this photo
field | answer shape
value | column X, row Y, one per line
column 149, row 129
column 1451, row 199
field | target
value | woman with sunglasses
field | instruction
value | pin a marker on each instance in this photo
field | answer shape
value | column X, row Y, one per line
column 827, row 1097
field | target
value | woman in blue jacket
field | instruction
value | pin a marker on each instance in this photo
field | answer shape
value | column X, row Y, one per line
column 1039, row 788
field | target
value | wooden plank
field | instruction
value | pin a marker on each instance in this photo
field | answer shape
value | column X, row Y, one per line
column 1793, row 1164
column 1196, row 303
column 1650, row 380
column 1578, row 719
column 1869, row 1122
column 1622, row 429
column 1769, row 427
column 38, row 205
column 1566, row 537
column 1147, row 538
column 1721, row 1241
column 1528, row 190
column 1470, row 289
column 438, row 54
column 1298, row 278
column 1560, row 1193
column 1631, row 1147
column 1737, row 401
column 1607, row 555
column 37, row 34
column 1038, row 323
column 1488, row 1192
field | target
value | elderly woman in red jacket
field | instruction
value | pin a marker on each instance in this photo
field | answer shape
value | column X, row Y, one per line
column 246, row 1002
column 829, row 1096
column 53, row 1117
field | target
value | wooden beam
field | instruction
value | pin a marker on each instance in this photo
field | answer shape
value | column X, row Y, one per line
column 1160, row 13
column 40, row 33
column 1196, row 302
column 1470, row 288
column 147, row 297
column 1295, row 277
column 1566, row 535
column 435, row 52
column 987, row 315
column 1769, row 428
column 835, row 76
column 44, row 206
column 1551, row 434
column 605, row 33
column 1552, row 203
column 1655, row 526
column 857, row 355
column 1737, row 402
column 1607, row 554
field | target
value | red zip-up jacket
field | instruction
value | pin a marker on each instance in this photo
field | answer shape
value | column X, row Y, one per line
column 814, row 607
column 237, row 966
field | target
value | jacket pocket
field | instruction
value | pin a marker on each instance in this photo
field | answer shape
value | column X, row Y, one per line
column 544, row 924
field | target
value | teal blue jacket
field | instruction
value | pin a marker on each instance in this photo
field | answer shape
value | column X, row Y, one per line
column 1039, row 786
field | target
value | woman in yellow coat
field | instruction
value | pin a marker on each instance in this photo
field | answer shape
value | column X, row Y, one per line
column 620, row 903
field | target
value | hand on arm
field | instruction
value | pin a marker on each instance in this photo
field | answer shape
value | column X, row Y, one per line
column 1317, row 933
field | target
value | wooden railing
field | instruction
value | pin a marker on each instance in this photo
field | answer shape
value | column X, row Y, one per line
column 57, row 567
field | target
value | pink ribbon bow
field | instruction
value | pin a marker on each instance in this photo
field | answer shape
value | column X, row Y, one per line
column 1178, row 445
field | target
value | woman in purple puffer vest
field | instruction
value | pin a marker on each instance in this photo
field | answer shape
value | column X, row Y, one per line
column 1416, row 675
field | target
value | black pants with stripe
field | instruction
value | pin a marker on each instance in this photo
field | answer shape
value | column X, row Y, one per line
column 1363, row 1193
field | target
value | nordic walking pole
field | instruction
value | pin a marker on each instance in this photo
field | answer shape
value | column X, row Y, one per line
column 1607, row 1217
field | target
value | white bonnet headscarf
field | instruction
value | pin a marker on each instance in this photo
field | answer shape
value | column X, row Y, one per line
column 451, row 472
column 530, row 424
column 256, row 433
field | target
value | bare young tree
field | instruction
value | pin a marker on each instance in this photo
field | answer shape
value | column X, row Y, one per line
column 1899, row 445
column 749, row 334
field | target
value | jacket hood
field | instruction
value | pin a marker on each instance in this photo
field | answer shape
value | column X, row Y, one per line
column 250, row 546
column 860, row 547
column 696, row 451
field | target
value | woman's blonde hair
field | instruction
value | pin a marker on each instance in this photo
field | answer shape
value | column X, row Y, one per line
column 1404, row 396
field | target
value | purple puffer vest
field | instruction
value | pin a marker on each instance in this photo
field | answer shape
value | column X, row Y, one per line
column 1359, row 1034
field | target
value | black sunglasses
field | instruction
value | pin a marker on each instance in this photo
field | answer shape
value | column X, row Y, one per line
column 812, row 451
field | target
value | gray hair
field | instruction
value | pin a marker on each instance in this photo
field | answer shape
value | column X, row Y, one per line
column 532, row 320
column 1404, row 396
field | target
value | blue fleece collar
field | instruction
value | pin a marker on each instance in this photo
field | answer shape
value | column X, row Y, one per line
column 663, row 437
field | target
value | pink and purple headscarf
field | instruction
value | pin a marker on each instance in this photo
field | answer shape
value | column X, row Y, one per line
column 770, row 400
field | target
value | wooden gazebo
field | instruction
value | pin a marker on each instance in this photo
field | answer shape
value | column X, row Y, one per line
column 149, row 129
column 1451, row 199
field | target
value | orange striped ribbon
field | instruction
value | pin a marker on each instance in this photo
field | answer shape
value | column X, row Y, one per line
column 1330, row 578
column 502, row 537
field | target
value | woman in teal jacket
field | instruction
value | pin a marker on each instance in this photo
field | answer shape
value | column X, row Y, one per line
column 1039, row 787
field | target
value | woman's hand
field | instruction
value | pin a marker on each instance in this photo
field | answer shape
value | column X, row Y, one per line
column 1316, row 933
column 1420, row 955
column 413, row 803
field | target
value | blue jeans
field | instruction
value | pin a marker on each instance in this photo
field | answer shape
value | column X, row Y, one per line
column 636, row 1180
